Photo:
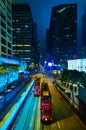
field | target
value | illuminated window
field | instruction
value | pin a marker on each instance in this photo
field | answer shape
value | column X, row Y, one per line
column 26, row 26
column 17, row 20
column 27, row 45
column 18, row 29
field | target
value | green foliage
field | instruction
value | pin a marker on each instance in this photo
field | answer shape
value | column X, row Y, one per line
column 30, row 69
column 73, row 76
column 65, row 76
column 2, row 69
column 13, row 67
column 83, row 79
column 6, row 67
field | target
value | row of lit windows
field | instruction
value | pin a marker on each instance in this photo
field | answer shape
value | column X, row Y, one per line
column 26, row 26
column 26, row 58
column 21, row 50
column 19, row 20
column 19, row 32
column 22, row 45
column 15, row 20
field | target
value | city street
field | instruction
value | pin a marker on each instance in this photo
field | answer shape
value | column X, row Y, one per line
column 64, row 117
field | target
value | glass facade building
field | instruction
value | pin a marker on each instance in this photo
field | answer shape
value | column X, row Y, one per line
column 63, row 32
column 23, row 31
column 84, row 35
column 5, row 28
column 77, row 64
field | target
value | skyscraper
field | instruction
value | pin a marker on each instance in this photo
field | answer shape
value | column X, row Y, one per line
column 84, row 35
column 5, row 28
column 23, row 32
column 36, row 44
column 63, row 32
column 48, row 45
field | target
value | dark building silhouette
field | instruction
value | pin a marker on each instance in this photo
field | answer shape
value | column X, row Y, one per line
column 84, row 35
column 63, row 33
column 48, row 45
column 25, row 42
column 36, row 44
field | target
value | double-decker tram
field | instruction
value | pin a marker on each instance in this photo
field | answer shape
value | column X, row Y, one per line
column 46, row 98
column 37, row 87
column 46, row 116
column 45, row 104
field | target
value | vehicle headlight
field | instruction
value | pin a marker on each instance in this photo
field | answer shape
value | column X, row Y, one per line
column 46, row 119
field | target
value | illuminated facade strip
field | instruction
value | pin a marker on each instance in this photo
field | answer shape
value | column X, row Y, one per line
column 77, row 64
column 20, row 45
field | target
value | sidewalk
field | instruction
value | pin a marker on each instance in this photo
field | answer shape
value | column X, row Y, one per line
column 73, row 99
column 15, row 83
column 8, row 105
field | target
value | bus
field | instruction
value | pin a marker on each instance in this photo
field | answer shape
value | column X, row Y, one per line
column 46, row 98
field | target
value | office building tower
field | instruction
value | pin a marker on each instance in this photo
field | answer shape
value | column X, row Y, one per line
column 63, row 32
column 36, row 44
column 48, row 45
column 84, row 35
column 5, row 28
column 23, row 31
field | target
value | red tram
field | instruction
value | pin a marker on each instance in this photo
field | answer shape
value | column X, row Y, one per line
column 45, row 104
column 46, row 116
column 46, row 99
column 37, row 87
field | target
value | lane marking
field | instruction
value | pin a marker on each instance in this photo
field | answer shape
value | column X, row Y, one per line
column 7, row 115
column 38, row 116
column 58, row 125
column 22, row 94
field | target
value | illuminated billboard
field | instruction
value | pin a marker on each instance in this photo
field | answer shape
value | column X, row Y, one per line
column 77, row 64
column 50, row 64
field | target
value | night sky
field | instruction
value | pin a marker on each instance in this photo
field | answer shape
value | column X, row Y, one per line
column 41, row 11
